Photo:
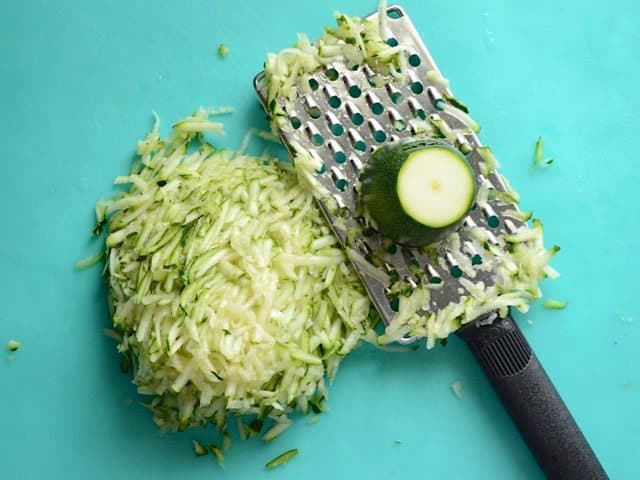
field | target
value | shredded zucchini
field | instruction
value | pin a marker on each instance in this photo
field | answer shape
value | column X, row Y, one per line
column 555, row 304
column 223, row 50
column 282, row 458
column 89, row 261
column 226, row 441
column 219, row 455
column 460, row 115
column 538, row 155
column 227, row 294
column 13, row 345
column 456, row 388
column 489, row 162
column 435, row 77
column 101, row 213
column 455, row 102
column 366, row 267
column 275, row 431
column 198, row 449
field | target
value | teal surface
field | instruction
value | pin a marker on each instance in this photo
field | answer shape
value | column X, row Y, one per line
column 78, row 82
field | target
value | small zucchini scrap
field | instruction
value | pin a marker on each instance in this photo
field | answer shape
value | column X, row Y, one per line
column 199, row 449
column 89, row 261
column 555, row 304
column 223, row 50
column 282, row 458
column 538, row 157
column 217, row 452
column 275, row 431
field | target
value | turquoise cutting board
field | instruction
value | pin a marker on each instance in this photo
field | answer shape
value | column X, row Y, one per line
column 78, row 82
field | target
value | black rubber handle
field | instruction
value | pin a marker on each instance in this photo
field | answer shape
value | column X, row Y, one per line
column 534, row 404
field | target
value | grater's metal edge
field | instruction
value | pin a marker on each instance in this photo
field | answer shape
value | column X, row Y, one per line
column 375, row 289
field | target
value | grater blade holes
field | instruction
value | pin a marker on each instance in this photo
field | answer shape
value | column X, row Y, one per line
column 394, row 13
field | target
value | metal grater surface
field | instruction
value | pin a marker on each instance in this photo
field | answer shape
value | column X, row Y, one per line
column 342, row 130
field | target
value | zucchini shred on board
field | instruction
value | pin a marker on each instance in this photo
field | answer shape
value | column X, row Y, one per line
column 227, row 285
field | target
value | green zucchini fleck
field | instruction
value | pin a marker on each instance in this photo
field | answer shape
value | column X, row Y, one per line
column 555, row 304
column 282, row 458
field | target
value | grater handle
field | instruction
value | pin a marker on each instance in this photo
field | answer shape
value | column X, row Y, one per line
column 532, row 401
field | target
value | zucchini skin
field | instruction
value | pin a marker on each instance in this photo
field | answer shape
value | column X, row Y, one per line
column 378, row 182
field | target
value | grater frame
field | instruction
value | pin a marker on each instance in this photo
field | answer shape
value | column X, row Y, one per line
column 320, row 119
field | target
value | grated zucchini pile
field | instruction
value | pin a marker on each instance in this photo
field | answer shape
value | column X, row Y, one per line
column 227, row 285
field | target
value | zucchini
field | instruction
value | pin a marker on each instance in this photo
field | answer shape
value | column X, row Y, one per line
column 282, row 458
column 199, row 449
column 538, row 156
column 225, row 279
column 417, row 190
column 555, row 304
column 223, row 50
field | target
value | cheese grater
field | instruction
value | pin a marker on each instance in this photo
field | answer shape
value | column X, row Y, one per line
column 343, row 116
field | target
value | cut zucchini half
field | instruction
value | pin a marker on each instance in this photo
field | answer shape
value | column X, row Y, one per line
column 417, row 190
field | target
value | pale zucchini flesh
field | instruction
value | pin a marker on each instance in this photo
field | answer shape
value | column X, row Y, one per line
column 229, row 294
column 435, row 186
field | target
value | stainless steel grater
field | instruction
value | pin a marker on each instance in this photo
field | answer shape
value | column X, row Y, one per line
column 341, row 119
column 345, row 118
